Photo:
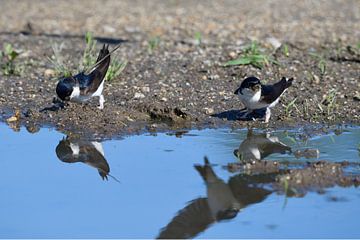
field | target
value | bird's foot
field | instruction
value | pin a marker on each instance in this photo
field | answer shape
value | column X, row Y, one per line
column 267, row 115
column 101, row 102
column 244, row 114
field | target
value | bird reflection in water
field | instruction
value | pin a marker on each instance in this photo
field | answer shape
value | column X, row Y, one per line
column 88, row 152
column 223, row 202
column 259, row 146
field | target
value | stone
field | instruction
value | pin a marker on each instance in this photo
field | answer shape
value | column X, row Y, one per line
column 139, row 95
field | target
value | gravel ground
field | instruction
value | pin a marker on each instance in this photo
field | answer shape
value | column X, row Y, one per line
column 181, row 82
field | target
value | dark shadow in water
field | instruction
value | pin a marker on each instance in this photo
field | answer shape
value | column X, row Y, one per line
column 235, row 115
column 259, row 146
column 88, row 152
column 223, row 202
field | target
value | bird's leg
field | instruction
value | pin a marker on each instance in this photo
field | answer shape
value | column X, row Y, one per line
column 101, row 101
column 247, row 113
column 267, row 115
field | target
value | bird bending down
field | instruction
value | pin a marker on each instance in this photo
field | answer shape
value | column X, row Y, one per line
column 82, row 87
column 255, row 95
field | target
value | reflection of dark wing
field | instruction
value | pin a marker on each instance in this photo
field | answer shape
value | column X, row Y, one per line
column 269, row 147
column 90, row 83
column 249, row 189
column 94, row 158
column 189, row 222
column 64, row 152
column 269, row 93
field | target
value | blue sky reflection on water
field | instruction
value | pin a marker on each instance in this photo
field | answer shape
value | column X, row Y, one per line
column 45, row 197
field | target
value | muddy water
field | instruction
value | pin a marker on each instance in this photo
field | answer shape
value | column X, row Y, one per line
column 147, row 186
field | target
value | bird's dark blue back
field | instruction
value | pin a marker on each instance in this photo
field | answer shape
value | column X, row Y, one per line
column 83, row 80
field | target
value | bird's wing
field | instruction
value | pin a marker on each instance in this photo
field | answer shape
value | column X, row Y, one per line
column 269, row 93
column 189, row 221
column 90, row 83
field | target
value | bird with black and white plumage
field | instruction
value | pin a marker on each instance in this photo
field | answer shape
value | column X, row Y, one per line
column 82, row 87
column 255, row 95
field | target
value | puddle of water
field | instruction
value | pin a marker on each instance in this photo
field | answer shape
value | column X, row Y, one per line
column 153, row 188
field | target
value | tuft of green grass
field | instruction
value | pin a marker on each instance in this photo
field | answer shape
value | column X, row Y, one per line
column 58, row 62
column 7, row 60
column 330, row 101
column 115, row 69
column 292, row 139
column 321, row 62
column 286, row 50
column 198, row 38
column 89, row 56
column 290, row 107
column 88, row 59
column 240, row 157
column 153, row 43
column 252, row 55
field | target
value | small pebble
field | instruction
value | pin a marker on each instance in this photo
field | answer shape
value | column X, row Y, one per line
column 139, row 95
column 209, row 111
column 49, row 73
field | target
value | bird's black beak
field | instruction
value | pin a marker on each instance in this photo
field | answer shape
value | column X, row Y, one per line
column 237, row 91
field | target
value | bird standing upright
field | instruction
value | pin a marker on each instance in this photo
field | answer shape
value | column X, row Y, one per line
column 255, row 95
column 82, row 87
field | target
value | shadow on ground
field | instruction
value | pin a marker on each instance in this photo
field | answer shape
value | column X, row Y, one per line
column 238, row 115
column 104, row 40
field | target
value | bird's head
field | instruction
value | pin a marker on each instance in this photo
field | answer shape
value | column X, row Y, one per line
column 64, row 88
column 251, row 83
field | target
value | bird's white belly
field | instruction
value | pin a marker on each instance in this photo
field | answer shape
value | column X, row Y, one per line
column 274, row 103
column 77, row 97
column 100, row 89
column 251, row 99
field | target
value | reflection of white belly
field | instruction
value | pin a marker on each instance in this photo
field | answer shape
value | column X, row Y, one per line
column 75, row 149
